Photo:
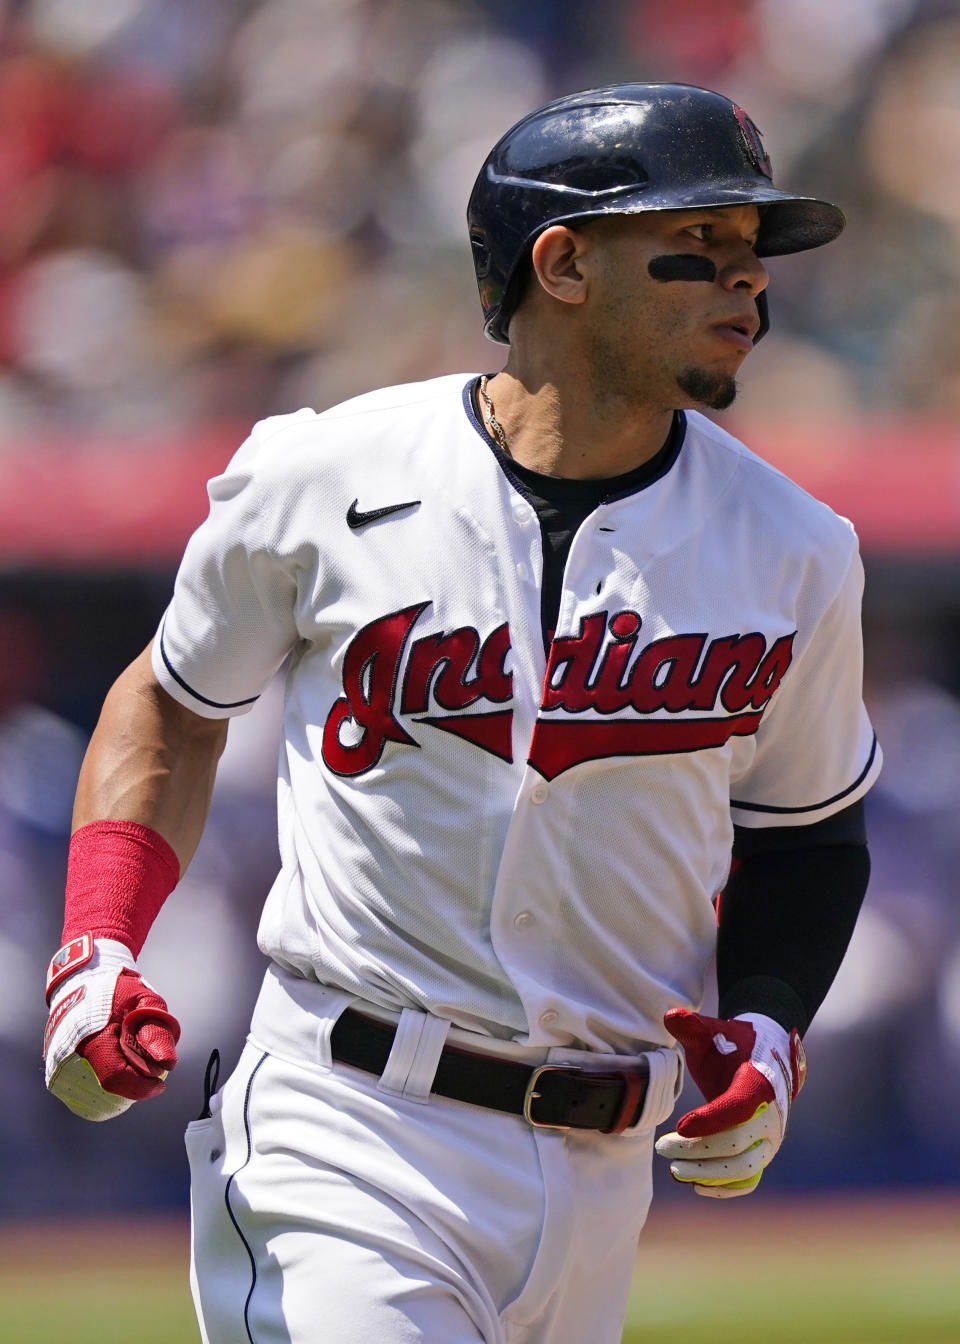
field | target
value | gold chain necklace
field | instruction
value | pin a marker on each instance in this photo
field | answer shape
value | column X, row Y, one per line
column 496, row 429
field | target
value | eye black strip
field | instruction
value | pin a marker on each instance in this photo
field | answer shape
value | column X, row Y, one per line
column 682, row 266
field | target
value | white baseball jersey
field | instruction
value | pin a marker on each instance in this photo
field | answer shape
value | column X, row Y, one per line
column 530, row 851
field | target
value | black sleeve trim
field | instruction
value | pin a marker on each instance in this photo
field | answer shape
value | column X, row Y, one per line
column 811, row 807
column 214, row 704
column 846, row 827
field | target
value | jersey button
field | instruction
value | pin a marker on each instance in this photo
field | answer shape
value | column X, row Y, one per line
column 522, row 920
column 548, row 1018
column 539, row 793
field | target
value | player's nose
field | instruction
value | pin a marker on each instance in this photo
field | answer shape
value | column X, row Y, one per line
column 743, row 269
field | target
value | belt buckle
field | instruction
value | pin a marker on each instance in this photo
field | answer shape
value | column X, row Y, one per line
column 531, row 1094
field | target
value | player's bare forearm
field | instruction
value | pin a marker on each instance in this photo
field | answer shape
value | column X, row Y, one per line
column 150, row 760
column 142, row 801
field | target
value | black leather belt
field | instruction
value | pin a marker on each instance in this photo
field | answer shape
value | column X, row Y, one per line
column 551, row 1096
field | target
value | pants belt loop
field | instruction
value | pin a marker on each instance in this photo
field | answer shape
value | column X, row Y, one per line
column 415, row 1054
column 666, row 1080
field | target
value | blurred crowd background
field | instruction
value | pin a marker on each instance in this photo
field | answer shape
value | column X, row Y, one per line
column 217, row 210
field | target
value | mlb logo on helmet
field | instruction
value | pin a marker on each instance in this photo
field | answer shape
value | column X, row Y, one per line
column 753, row 143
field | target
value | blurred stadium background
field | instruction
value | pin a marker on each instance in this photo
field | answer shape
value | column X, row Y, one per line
column 216, row 210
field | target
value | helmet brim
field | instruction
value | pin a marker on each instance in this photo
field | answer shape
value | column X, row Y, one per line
column 788, row 224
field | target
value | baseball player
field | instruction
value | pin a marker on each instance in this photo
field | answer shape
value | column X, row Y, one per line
column 563, row 660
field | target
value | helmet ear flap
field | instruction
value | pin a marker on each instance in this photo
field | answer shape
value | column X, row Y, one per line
column 763, row 312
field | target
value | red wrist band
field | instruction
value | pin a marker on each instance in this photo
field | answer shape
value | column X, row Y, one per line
column 119, row 874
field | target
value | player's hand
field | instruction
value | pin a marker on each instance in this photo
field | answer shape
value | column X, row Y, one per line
column 750, row 1070
column 110, row 1040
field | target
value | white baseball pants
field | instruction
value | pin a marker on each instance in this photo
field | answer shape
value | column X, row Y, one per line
column 330, row 1206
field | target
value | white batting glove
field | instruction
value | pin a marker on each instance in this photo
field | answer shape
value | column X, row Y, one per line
column 110, row 1040
column 750, row 1070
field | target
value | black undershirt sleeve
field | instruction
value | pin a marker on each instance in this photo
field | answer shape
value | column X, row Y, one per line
column 787, row 914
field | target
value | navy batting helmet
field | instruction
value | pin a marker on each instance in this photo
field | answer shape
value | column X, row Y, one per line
column 622, row 150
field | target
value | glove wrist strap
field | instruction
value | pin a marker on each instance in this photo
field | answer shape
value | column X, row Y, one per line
column 785, row 1046
column 81, row 951
column 119, row 874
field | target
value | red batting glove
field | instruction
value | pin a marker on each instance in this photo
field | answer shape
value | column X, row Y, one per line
column 110, row 1040
column 750, row 1070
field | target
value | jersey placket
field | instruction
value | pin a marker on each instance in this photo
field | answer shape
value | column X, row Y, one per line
column 525, row 907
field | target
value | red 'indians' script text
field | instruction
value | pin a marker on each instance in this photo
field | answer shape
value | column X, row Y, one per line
column 598, row 671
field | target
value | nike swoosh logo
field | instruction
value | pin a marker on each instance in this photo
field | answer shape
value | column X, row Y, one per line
column 358, row 518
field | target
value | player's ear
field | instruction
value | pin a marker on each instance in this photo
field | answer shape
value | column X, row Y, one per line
column 557, row 259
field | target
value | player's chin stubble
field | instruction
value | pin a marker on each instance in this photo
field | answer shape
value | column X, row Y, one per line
column 714, row 390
